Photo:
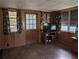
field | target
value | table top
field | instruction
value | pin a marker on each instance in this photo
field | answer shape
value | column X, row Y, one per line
column 75, row 38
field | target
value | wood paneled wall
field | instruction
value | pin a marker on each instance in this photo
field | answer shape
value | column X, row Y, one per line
column 23, row 38
column 1, row 33
column 65, row 38
column 53, row 16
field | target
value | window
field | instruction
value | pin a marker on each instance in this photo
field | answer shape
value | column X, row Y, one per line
column 69, row 21
column 30, row 21
column 73, row 21
column 13, row 21
column 64, row 28
column 64, row 21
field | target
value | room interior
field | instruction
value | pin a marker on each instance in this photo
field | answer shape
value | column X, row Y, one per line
column 38, row 29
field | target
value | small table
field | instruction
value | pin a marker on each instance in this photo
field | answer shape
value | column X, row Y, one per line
column 48, row 37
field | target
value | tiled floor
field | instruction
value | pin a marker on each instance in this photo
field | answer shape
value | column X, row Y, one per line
column 38, row 51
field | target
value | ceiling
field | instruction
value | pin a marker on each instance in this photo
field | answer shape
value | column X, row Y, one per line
column 43, row 5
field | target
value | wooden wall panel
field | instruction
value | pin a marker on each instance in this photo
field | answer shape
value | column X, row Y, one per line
column 1, row 34
column 23, row 38
column 53, row 16
column 65, row 38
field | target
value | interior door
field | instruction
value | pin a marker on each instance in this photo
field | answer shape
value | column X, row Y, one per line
column 31, row 27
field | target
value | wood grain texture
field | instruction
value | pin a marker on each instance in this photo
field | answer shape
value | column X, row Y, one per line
column 23, row 38
column 53, row 16
column 1, row 29
column 38, row 51
column 67, row 41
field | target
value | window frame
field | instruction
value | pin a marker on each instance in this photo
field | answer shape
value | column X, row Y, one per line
column 69, row 22
column 15, row 20
column 31, row 24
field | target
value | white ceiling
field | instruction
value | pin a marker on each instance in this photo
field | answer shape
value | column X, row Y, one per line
column 43, row 5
